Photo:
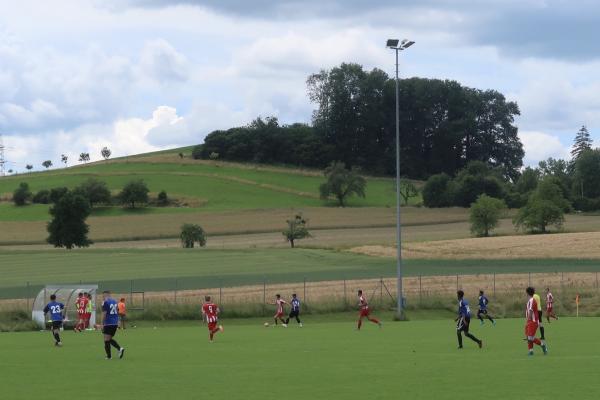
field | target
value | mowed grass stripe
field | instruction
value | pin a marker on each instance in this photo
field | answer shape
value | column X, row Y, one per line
column 156, row 270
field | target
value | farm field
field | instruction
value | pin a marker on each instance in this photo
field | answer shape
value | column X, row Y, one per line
column 165, row 269
column 323, row 360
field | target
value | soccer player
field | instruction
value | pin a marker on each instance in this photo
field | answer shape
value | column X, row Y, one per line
column 483, row 304
column 295, row 312
column 463, row 320
column 532, row 322
column 538, row 301
column 57, row 316
column 365, row 312
column 122, row 313
column 80, row 313
column 550, row 306
column 280, row 303
column 210, row 313
column 110, row 322
column 88, row 311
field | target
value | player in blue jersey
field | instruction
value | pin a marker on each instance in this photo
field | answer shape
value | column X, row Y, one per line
column 110, row 323
column 463, row 320
column 295, row 312
column 57, row 316
column 483, row 309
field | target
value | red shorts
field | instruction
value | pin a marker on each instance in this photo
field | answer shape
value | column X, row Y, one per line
column 549, row 310
column 212, row 326
column 81, row 315
column 531, row 328
column 279, row 314
column 364, row 312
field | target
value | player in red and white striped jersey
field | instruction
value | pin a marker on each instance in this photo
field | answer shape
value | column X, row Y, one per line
column 532, row 318
column 550, row 306
column 280, row 313
column 210, row 313
column 365, row 311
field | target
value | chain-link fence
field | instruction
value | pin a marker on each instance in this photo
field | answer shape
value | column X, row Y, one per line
column 326, row 295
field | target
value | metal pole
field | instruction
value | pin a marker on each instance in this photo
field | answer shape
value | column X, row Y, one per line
column 220, row 292
column 400, row 310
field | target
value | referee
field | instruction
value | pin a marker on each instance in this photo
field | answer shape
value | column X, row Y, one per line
column 295, row 312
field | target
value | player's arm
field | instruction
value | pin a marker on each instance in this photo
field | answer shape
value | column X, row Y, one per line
column 46, row 311
column 63, row 312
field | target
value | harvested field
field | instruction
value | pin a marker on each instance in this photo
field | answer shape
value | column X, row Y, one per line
column 560, row 245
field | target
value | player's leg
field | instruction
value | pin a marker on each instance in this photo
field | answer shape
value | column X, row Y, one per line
column 359, row 324
column 488, row 316
column 56, row 333
column 542, row 331
column 107, row 339
column 297, row 315
column 469, row 335
column 479, row 316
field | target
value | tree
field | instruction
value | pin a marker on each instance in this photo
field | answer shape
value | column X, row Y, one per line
column 41, row 197
column 29, row 167
column 538, row 215
column 134, row 192
column 56, row 194
column 94, row 190
column 408, row 190
column 528, row 180
column 162, row 198
column 582, row 142
column 181, row 155
column 342, row 183
column 105, row 152
column 437, row 191
column 84, row 157
column 47, row 164
column 22, row 194
column 485, row 214
column 296, row 229
column 64, row 159
column 190, row 234
column 67, row 227
column 586, row 180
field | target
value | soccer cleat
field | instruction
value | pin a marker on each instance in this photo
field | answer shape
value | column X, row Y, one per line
column 545, row 348
column 58, row 344
column 108, row 358
column 380, row 325
column 530, row 353
column 284, row 325
column 494, row 323
column 481, row 322
column 460, row 347
column 121, row 352
column 300, row 325
column 480, row 343
column 221, row 328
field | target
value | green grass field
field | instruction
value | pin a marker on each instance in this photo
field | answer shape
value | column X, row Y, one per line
column 158, row 270
column 324, row 360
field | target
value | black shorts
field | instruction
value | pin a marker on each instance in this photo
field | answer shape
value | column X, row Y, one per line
column 463, row 324
column 123, row 317
column 57, row 324
column 110, row 330
column 482, row 312
column 294, row 314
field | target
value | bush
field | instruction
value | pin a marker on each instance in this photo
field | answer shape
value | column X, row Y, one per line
column 586, row 204
column 22, row 194
column 197, row 152
column 41, row 197
column 134, row 192
column 437, row 191
column 95, row 191
column 57, row 193
column 162, row 199
column 538, row 215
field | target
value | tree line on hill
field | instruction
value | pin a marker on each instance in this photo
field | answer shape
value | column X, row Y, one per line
column 443, row 127
column 542, row 194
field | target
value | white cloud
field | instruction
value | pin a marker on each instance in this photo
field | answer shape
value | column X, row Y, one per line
column 540, row 146
column 161, row 61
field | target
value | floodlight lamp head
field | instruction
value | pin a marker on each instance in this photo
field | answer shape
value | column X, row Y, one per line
column 392, row 43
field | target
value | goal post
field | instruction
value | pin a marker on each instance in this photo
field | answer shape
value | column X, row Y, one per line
column 66, row 294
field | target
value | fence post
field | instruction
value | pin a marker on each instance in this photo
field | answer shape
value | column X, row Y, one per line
column 457, row 282
column 304, row 295
column 420, row 290
column 345, row 294
column 175, row 292
column 529, row 274
column 28, row 295
column 131, row 292
column 264, row 295
column 596, row 280
column 381, row 290
column 220, row 291
column 494, row 284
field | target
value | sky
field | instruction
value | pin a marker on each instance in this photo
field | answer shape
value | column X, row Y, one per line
column 145, row 75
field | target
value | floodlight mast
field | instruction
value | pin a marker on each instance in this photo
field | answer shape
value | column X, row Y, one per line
column 398, row 46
